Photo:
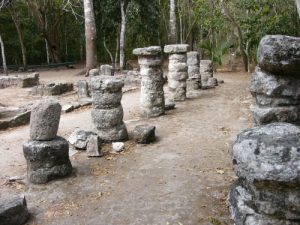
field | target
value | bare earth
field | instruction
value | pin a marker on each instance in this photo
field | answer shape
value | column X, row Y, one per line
column 182, row 179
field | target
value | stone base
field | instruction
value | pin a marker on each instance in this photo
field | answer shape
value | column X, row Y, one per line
column 113, row 134
column 193, row 84
column 13, row 211
column 47, row 160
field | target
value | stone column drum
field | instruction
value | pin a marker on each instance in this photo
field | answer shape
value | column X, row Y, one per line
column 152, row 84
column 107, row 112
column 194, row 80
column 46, row 154
column 206, row 71
column 178, row 70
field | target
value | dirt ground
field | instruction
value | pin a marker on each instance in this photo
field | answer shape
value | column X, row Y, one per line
column 181, row 179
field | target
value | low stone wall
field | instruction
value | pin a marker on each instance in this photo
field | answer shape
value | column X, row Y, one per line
column 52, row 89
column 22, row 81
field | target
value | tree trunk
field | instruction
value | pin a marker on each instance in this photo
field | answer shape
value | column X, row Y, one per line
column 117, row 49
column 173, row 31
column 20, row 36
column 298, row 6
column 47, row 51
column 109, row 53
column 90, row 35
column 3, row 56
column 122, row 35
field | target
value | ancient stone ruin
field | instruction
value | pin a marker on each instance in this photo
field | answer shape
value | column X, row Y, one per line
column 52, row 89
column 23, row 81
column 194, row 80
column 275, row 84
column 152, row 84
column 107, row 112
column 206, row 71
column 83, row 89
column 266, row 158
column 46, row 154
column 106, row 70
column 178, row 70
column 144, row 134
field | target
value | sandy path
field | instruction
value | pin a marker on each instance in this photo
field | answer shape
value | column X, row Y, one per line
column 183, row 178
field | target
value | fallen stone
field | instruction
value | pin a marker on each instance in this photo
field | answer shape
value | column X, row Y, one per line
column 47, row 160
column 13, row 211
column 169, row 105
column 20, row 119
column 179, row 48
column 67, row 108
column 22, row 81
column 52, row 89
column 212, row 81
column 79, row 138
column 44, row 120
column 93, row 148
column 106, row 70
column 268, row 154
column 118, row 146
column 144, row 134
column 280, row 55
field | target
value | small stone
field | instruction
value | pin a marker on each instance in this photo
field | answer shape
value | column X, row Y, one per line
column 118, row 146
column 212, row 81
column 179, row 48
column 44, row 120
column 67, row 108
column 169, row 106
column 79, row 138
column 13, row 211
column 221, row 82
column 144, row 134
column 93, row 148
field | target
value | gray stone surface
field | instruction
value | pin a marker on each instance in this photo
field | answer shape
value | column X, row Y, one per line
column 111, row 134
column 13, row 210
column 94, row 72
column 106, row 70
column 144, row 134
column 280, row 55
column 193, row 84
column 52, row 89
column 23, row 81
column 152, row 100
column 212, row 81
column 270, row 114
column 206, row 71
column 106, row 118
column 177, row 48
column 79, row 138
column 268, row 154
column 93, row 148
column 44, row 120
column 47, row 160
column 83, row 89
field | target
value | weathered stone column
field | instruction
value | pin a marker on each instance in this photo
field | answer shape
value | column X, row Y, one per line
column 275, row 84
column 194, row 80
column 107, row 112
column 152, row 84
column 178, row 70
column 46, row 154
column 206, row 71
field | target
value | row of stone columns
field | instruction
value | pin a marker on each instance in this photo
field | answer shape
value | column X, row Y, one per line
column 266, row 158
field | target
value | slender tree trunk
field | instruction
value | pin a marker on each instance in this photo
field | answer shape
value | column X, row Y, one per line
column 298, row 6
column 117, row 49
column 122, row 35
column 109, row 53
column 172, row 24
column 47, row 51
column 20, row 36
column 3, row 56
column 90, row 35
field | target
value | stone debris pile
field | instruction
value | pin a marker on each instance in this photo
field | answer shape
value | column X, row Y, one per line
column 152, row 101
column 194, row 80
column 46, row 154
column 206, row 71
column 178, row 70
column 107, row 112
column 275, row 84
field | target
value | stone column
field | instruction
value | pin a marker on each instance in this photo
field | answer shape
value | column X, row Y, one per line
column 107, row 112
column 194, row 80
column 275, row 84
column 152, row 84
column 178, row 70
column 206, row 71
column 47, row 155
column 106, row 70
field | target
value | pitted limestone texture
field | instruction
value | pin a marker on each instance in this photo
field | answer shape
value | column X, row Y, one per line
column 178, row 70
column 152, row 101
column 107, row 112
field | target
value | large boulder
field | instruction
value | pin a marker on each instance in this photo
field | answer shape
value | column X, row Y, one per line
column 280, row 55
column 44, row 120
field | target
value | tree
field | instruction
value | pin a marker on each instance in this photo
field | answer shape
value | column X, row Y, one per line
column 298, row 6
column 3, row 56
column 172, row 23
column 90, row 35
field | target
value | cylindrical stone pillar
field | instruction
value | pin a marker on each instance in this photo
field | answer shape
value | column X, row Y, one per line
column 206, row 71
column 107, row 112
column 194, row 80
column 178, row 70
column 152, row 84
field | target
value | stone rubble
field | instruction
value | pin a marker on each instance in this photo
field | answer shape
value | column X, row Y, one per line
column 52, row 89
column 93, row 147
column 79, row 138
column 46, row 154
column 144, row 134
column 275, row 84
column 107, row 113
column 194, row 80
column 22, row 81
column 178, row 70
column 152, row 102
